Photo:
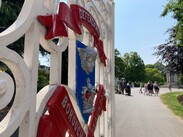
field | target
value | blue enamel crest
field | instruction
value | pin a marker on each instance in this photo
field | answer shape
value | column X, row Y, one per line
column 85, row 78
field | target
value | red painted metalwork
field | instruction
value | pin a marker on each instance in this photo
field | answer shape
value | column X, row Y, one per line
column 68, row 17
column 100, row 105
column 54, row 26
column 99, row 45
column 62, row 117
column 72, row 17
column 47, row 127
column 85, row 18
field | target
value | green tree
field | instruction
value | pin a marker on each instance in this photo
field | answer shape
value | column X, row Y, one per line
column 171, row 52
column 161, row 68
column 43, row 79
column 9, row 12
column 175, row 8
column 135, row 68
column 119, row 65
column 158, row 65
column 153, row 74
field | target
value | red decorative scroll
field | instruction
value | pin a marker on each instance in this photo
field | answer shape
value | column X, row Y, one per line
column 47, row 127
column 54, row 26
column 68, row 17
column 85, row 18
column 62, row 117
column 60, row 101
column 100, row 105
column 99, row 45
column 73, row 18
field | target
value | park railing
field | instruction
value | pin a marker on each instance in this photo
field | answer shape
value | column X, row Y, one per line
column 83, row 107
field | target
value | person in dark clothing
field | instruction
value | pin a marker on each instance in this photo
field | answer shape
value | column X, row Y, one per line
column 156, row 88
column 150, row 88
column 128, row 89
column 122, row 85
column 170, row 87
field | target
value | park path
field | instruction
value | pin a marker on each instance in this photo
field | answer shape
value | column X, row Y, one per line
column 145, row 116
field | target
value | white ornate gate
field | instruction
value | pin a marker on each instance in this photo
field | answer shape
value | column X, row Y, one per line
column 28, row 106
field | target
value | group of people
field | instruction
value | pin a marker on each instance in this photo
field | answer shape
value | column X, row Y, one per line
column 124, row 87
column 147, row 89
column 150, row 88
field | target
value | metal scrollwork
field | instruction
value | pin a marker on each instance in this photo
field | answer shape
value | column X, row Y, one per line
column 20, row 104
column 6, row 89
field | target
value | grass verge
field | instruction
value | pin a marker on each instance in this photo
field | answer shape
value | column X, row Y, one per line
column 170, row 100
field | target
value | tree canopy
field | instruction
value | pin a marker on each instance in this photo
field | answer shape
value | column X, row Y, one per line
column 134, row 67
column 9, row 12
column 175, row 7
column 119, row 65
column 171, row 52
column 153, row 74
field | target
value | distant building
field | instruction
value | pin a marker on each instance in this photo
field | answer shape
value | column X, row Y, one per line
column 173, row 78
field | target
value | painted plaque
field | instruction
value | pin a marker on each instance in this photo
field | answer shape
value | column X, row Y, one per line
column 85, row 78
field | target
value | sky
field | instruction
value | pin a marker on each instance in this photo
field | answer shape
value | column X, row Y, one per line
column 139, row 27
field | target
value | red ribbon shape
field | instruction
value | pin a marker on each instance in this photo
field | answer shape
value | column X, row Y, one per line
column 68, row 17
column 100, row 105
column 99, row 45
column 73, row 18
column 54, row 26
column 63, row 118
column 84, row 18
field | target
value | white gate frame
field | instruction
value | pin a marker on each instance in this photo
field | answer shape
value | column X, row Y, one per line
column 28, row 106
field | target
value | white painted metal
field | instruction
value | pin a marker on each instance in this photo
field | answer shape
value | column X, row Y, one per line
column 28, row 106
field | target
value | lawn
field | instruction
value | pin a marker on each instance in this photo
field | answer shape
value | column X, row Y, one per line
column 171, row 101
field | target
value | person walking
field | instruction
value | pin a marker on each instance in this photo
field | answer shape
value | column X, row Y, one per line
column 150, row 88
column 140, row 89
column 122, row 85
column 156, row 88
column 170, row 87
column 128, row 89
column 145, row 89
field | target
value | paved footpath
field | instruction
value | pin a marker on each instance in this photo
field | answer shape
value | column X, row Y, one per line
column 145, row 116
